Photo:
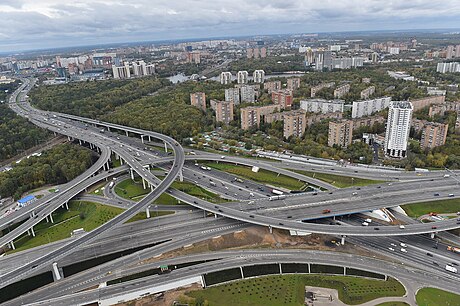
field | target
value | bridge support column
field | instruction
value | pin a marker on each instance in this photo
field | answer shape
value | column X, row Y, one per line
column 56, row 274
column 12, row 245
column 142, row 138
column 108, row 129
column 121, row 161
column 67, row 205
column 68, row 138
column 166, row 148
column 281, row 270
column 181, row 176
column 147, row 211
column 151, row 187
column 270, row 229
column 126, row 133
column 108, row 166
column 143, row 183
column 342, row 240
column 51, row 217
column 54, row 133
column 344, row 270
column 309, row 268
column 79, row 141
column 386, row 277
column 32, row 231
column 215, row 216
column 432, row 235
column 150, row 139
column 47, row 220
column 203, row 281
column 242, row 274
column 132, row 173
column 278, row 175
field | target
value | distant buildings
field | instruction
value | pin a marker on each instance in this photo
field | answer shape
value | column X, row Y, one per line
column 441, row 109
column 399, row 75
column 398, row 128
column 317, row 88
column 198, row 99
column 242, row 77
column 319, row 117
column 424, row 102
column 435, row 91
column 258, row 76
column 294, row 123
column 272, row 86
column 323, row 60
column 232, row 95
column 225, row 78
column 256, row 52
column 247, row 94
column 293, row 83
column 127, row 70
column 448, row 67
column 433, row 135
column 121, row 72
column 283, row 98
column 223, row 110
column 250, row 116
column 347, row 62
column 340, row 133
column 366, row 93
column 368, row 107
column 341, row 91
column 322, row 106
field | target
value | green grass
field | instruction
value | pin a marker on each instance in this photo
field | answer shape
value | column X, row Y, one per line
column 81, row 214
column 263, row 176
column 436, row 297
column 442, row 206
column 198, row 192
column 393, row 304
column 290, row 290
column 129, row 189
column 153, row 214
column 339, row 180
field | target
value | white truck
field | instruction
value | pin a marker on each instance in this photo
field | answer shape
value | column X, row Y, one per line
column 274, row 191
column 111, row 184
column 451, row 269
column 278, row 197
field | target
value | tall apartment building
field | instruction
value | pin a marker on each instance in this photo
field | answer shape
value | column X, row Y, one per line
column 340, row 91
column 272, row 86
column 283, row 98
column 323, row 60
column 424, row 102
column 258, row 76
column 319, row 117
column 347, row 62
column 366, row 93
column 340, row 133
column 256, row 52
column 433, row 135
column 457, row 51
column 398, row 128
column 450, row 52
column 293, row 83
column 250, row 116
column 317, row 88
column 368, row 107
column 224, row 110
column 198, row 99
column 294, row 123
column 448, row 67
column 232, row 95
column 322, row 106
column 242, row 77
column 225, row 78
column 139, row 68
column 440, row 109
column 121, row 72
column 269, row 118
column 247, row 94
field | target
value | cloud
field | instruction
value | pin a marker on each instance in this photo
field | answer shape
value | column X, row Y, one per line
column 48, row 23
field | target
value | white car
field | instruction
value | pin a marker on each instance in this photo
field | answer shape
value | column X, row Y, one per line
column 391, row 249
column 402, row 226
column 403, row 250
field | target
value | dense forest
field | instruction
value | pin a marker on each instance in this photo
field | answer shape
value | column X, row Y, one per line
column 93, row 99
column 17, row 133
column 58, row 165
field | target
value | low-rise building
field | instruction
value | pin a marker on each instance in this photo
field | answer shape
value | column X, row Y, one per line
column 366, row 93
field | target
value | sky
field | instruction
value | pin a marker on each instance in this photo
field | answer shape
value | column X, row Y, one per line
column 37, row 24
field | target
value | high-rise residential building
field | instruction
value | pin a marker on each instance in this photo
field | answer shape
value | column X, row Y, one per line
column 139, row 68
column 340, row 91
column 398, row 128
column 323, row 60
column 258, row 76
column 346, row 62
column 317, row 88
column 121, row 72
column 294, row 123
column 272, row 86
column 309, row 57
column 293, row 83
column 283, row 98
column 250, row 116
column 225, row 78
column 242, row 77
column 340, row 133
column 368, row 107
column 457, row 51
column 247, row 94
column 450, row 52
column 150, row 69
column 232, row 95
column 322, row 106
column 433, row 135
column 448, row 67
column 263, row 52
column 256, row 52
column 198, row 99
column 366, row 93
column 375, row 57
column 224, row 110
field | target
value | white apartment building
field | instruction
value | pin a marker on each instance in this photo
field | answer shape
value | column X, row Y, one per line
column 247, row 94
column 258, row 76
column 226, row 78
column 121, row 72
column 322, row 106
column 368, row 107
column 232, row 95
column 242, row 77
column 398, row 128
column 448, row 67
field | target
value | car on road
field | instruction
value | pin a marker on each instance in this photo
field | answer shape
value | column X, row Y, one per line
column 429, row 254
column 436, row 194
column 326, row 211
column 402, row 226
column 403, row 250
column 434, row 227
column 391, row 249
column 451, row 195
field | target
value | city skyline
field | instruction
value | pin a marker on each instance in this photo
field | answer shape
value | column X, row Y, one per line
column 55, row 25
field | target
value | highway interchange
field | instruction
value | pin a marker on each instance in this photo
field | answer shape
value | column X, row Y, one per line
column 243, row 208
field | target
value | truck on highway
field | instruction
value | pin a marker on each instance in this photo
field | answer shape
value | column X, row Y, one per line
column 453, row 249
column 278, row 192
column 278, row 197
column 111, row 184
column 451, row 269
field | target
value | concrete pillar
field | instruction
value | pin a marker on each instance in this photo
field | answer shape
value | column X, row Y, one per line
column 344, row 270
column 108, row 129
column 54, row 133
column 309, row 268
column 47, row 219
column 56, row 274
column 32, row 231
column 181, row 176
column 342, row 241
column 67, row 205
column 79, row 141
column 121, row 161
column 281, row 270
column 150, row 139
column 142, row 138
column 132, row 173
column 143, row 183
column 386, row 277
column 108, row 166
column 68, row 137
column 432, row 235
column 278, row 175
column 166, row 148
column 151, row 187
column 215, row 216
column 242, row 274
column 117, row 156
column 51, row 217
column 270, row 229
column 12, row 245
column 126, row 133
column 147, row 211
column 203, row 281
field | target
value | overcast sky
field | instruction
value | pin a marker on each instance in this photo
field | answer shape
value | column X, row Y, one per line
column 32, row 24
